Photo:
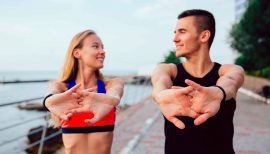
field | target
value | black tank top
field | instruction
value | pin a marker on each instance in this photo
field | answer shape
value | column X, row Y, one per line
column 215, row 136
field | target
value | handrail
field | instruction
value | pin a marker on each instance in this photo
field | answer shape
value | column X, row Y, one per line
column 38, row 142
column 20, row 123
column 22, row 81
column 21, row 101
column 19, row 137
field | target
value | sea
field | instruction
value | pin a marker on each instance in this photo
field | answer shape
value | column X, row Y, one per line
column 15, row 123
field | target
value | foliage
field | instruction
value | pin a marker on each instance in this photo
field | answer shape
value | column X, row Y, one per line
column 171, row 58
column 250, row 37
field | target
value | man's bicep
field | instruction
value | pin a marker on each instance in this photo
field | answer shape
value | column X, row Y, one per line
column 163, row 72
column 162, row 77
column 232, row 72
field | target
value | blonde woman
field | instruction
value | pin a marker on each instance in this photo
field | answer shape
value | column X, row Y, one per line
column 84, row 104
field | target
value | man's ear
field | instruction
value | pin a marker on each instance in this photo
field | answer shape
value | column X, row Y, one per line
column 76, row 53
column 205, row 35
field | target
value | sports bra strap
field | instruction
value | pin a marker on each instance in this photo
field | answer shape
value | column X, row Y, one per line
column 100, row 86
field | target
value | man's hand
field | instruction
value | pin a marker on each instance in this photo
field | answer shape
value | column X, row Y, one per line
column 205, row 101
column 175, row 102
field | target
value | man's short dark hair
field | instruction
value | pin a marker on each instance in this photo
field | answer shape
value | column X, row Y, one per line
column 204, row 21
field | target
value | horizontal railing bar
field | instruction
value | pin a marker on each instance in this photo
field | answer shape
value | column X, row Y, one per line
column 38, row 142
column 23, row 122
column 19, row 137
column 21, row 101
column 22, row 81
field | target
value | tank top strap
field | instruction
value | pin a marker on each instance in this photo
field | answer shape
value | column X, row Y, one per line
column 213, row 74
column 181, row 72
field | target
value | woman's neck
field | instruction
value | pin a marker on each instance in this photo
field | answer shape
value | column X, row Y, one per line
column 87, row 77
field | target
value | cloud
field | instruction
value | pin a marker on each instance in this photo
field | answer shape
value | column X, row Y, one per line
column 159, row 8
column 141, row 28
column 15, row 29
column 127, row 1
column 146, row 11
column 68, row 2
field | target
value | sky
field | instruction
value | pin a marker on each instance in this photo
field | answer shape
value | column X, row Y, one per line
column 136, row 34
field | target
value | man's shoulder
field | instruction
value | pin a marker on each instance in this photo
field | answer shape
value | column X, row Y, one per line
column 166, row 64
column 168, row 67
column 230, row 66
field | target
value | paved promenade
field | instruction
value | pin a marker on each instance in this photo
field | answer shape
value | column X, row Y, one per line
column 139, row 129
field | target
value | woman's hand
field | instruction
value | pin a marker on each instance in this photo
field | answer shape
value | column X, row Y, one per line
column 61, row 104
column 97, row 103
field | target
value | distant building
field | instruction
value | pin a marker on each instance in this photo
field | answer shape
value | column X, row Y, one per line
column 240, row 8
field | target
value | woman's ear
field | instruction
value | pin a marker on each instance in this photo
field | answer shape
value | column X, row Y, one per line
column 76, row 53
column 205, row 35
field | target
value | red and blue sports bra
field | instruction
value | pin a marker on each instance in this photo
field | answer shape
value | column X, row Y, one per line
column 77, row 124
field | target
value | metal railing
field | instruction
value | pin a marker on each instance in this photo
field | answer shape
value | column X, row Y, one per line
column 44, row 117
column 134, row 91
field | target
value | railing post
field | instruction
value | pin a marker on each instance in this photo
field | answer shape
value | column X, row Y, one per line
column 43, row 135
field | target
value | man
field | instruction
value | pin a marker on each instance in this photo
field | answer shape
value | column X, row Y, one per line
column 197, row 97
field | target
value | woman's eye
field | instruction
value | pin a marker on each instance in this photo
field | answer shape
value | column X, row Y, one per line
column 95, row 46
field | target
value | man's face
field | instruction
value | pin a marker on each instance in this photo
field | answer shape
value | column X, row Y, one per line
column 186, row 37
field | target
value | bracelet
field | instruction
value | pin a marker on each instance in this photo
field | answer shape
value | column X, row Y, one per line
column 45, row 100
column 223, row 91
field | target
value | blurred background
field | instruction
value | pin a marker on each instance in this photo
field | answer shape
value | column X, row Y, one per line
column 137, row 35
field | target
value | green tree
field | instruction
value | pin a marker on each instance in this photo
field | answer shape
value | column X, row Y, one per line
column 171, row 58
column 250, row 37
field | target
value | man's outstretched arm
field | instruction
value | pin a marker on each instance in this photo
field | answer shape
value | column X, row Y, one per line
column 162, row 78
column 231, row 79
column 206, row 100
column 173, row 102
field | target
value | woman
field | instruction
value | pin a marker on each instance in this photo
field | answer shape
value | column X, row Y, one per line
column 85, row 104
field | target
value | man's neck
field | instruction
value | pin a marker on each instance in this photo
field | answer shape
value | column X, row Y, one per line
column 199, row 64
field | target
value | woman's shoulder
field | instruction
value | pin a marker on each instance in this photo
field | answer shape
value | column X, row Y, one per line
column 113, row 81
column 57, row 86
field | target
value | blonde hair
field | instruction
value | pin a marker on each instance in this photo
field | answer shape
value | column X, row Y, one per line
column 70, row 67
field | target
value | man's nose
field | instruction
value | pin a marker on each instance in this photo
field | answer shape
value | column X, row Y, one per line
column 102, row 51
column 175, row 38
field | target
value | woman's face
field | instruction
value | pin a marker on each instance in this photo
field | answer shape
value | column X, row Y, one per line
column 91, row 54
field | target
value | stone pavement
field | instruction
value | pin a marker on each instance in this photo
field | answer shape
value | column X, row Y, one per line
column 136, row 124
column 252, row 126
column 251, row 120
column 139, row 129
